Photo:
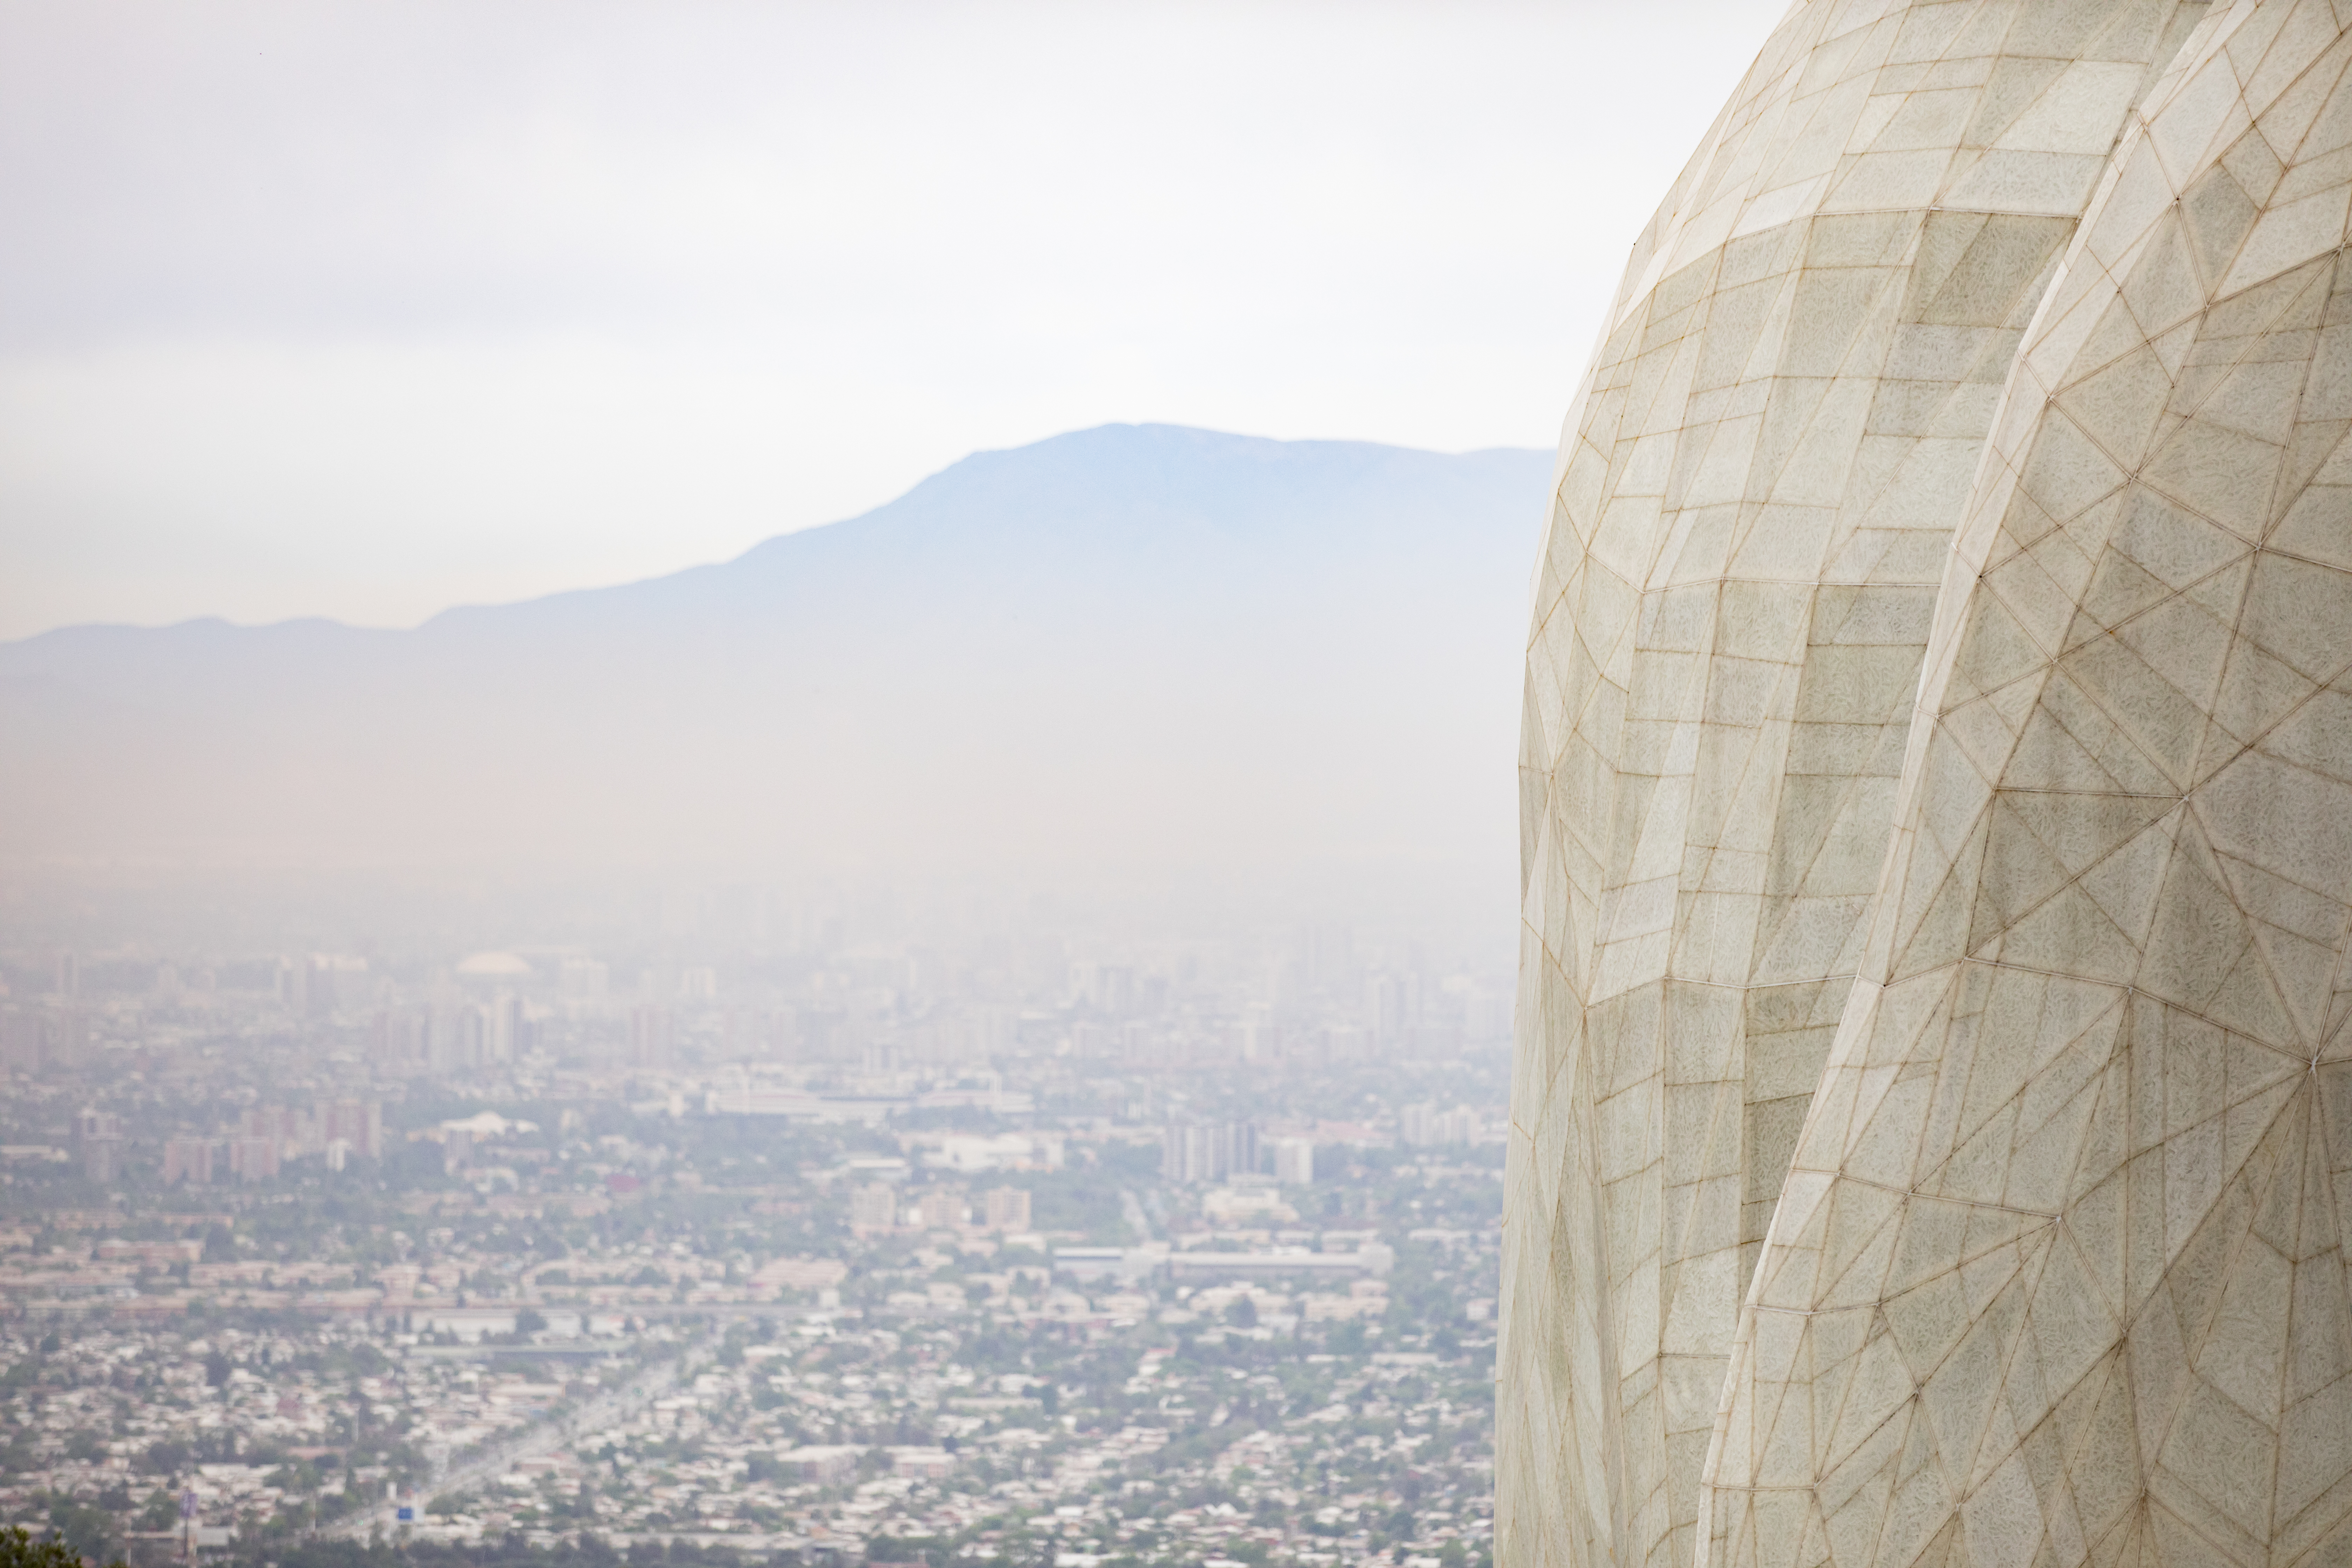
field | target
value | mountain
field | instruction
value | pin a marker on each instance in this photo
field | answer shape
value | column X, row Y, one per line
column 1137, row 650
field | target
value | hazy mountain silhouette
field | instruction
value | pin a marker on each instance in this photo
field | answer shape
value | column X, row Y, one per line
column 1127, row 649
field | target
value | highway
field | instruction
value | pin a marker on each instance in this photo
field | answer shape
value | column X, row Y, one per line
column 545, row 1437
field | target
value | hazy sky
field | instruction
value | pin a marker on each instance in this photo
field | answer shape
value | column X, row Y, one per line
column 361, row 311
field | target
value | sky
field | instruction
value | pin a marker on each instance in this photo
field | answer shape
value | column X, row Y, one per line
column 363, row 311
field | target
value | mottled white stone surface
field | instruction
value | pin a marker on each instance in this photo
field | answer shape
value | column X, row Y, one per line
column 2058, row 1275
column 1750, row 550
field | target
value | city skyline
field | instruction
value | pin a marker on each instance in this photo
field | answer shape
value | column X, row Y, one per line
column 1034, row 1241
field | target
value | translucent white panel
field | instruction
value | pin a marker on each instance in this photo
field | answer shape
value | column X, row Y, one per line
column 1757, row 497
column 2117, row 1142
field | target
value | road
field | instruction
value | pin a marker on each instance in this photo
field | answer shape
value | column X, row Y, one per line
column 545, row 1437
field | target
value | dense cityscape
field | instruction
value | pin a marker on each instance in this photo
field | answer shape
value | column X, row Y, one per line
column 1000, row 1249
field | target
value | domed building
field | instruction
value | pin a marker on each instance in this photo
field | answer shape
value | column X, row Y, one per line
column 1933, row 1101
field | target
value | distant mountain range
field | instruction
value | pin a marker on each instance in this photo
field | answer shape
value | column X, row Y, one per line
column 1137, row 650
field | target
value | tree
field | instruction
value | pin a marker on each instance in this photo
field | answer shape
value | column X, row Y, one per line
column 84, row 1530
column 19, row 1550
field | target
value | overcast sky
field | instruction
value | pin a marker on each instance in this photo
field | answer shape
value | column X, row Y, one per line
column 363, row 311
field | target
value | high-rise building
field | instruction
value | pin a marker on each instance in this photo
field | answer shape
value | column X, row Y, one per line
column 503, row 1029
column 1207, row 1152
column 1430, row 1125
column 1260, row 1041
column 64, row 1035
column 651, row 1029
column 357, row 1122
column 1293, row 1162
column 452, row 1040
column 100, row 1146
column 252, row 1159
column 278, row 1125
column 940, row 1208
column 98, row 1143
column 1183, row 1152
column 1392, row 1002
column 101, row 1161
column 1237, row 1149
column 403, row 1038
column 873, row 1209
column 294, row 985
column 188, row 1159
column 1007, row 1208
column 1939, row 819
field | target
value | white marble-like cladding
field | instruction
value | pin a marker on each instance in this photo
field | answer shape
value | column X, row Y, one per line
column 1933, row 1104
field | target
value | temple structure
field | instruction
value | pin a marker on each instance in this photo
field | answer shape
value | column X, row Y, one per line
column 1937, row 820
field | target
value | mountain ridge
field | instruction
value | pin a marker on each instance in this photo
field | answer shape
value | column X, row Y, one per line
column 1138, row 642
column 759, row 553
